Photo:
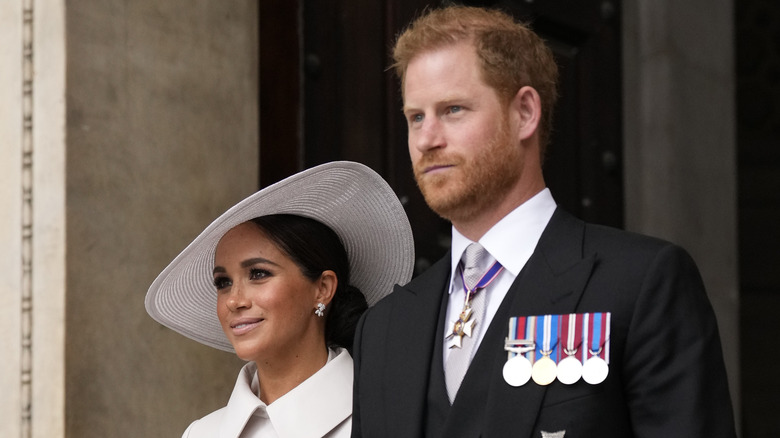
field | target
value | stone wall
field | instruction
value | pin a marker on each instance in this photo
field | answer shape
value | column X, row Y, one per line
column 162, row 124
column 127, row 127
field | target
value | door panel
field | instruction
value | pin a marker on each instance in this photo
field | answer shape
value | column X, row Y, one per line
column 583, row 166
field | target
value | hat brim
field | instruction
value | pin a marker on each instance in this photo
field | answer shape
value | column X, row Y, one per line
column 349, row 197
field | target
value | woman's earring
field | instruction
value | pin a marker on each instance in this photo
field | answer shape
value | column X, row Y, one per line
column 320, row 310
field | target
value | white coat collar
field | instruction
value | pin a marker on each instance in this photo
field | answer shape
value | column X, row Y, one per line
column 312, row 409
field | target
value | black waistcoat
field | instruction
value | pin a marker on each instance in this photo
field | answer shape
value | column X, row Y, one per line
column 438, row 405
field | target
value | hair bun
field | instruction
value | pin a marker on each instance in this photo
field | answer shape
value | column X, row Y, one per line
column 347, row 306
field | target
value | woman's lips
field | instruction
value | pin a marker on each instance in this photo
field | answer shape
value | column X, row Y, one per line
column 243, row 326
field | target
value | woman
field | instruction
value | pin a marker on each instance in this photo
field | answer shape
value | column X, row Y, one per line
column 281, row 279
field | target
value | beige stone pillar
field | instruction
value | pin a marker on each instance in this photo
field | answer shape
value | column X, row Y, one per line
column 680, row 143
column 11, row 216
column 32, row 222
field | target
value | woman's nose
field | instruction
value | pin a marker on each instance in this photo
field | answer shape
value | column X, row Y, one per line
column 237, row 299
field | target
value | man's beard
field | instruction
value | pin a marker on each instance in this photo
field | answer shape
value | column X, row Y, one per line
column 479, row 182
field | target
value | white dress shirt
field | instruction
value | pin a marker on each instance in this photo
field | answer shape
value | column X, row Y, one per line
column 511, row 241
column 321, row 406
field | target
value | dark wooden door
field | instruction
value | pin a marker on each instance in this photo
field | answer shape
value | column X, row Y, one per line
column 584, row 161
column 349, row 105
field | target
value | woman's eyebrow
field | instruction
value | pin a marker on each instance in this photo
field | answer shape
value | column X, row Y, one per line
column 253, row 261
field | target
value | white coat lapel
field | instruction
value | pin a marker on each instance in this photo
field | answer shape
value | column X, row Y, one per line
column 319, row 404
column 242, row 404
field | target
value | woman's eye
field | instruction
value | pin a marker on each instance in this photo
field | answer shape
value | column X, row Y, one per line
column 258, row 274
column 222, row 282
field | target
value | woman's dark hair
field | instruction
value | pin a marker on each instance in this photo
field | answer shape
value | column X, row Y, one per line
column 315, row 248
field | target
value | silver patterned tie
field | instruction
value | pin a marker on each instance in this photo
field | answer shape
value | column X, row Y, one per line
column 460, row 358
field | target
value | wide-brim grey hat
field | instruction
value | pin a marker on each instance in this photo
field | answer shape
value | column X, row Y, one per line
column 349, row 197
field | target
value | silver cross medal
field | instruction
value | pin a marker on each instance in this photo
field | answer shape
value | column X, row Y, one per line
column 464, row 325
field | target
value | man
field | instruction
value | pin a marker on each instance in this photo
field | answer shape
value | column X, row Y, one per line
column 575, row 330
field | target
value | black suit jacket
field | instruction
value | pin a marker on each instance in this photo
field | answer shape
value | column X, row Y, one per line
column 666, row 379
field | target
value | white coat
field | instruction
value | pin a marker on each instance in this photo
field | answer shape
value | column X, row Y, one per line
column 321, row 406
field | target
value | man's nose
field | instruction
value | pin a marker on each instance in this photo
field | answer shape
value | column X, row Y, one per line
column 429, row 136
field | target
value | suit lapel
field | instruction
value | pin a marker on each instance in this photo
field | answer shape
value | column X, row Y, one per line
column 413, row 321
column 551, row 282
column 554, row 278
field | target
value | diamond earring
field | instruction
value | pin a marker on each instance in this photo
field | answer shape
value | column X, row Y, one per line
column 320, row 310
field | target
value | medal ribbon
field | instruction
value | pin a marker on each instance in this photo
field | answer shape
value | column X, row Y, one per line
column 547, row 336
column 457, row 332
column 598, row 334
column 522, row 330
column 607, row 328
column 591, row 331
column 573, row 333
column 483, row 282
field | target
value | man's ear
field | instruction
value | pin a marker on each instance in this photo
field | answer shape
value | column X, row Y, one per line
column 326, row 287
column 527, row 108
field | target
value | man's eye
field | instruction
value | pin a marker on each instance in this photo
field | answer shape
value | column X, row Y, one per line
column 455, row 109
column 222, row 282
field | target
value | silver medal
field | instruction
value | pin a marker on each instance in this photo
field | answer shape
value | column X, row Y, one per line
column 595, row 370
column 569, row 370
column 517, row 371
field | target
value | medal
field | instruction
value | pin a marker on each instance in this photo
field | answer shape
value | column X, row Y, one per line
column 544, row 369
column 519, row 343
column 596, row 368
column 569, row 370
column 571, row 347
column 464, row 325
column 517, row 371
column 460, row 327
column 570, row 367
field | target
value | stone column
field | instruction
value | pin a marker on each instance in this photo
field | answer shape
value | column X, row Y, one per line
column 680, row 143
column 11, row 28
column 32, row 222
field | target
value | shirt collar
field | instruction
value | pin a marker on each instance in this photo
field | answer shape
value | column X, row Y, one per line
column 513, row 239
